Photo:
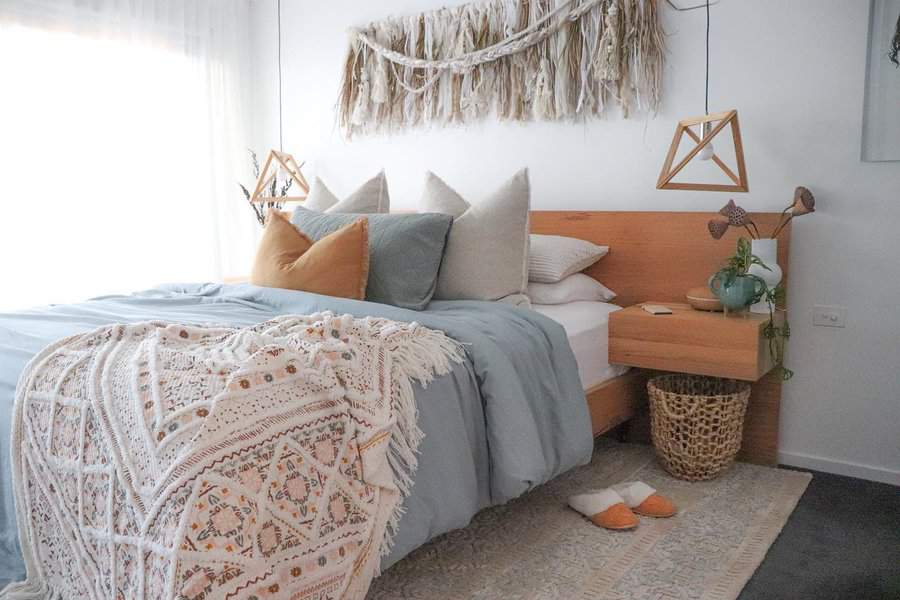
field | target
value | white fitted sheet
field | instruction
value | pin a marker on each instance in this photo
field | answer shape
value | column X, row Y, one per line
column 587, row 327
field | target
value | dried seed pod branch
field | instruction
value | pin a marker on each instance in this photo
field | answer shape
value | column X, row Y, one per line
column 803, row 204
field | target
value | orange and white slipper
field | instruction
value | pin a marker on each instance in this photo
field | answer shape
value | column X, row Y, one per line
column 643, row 499
column 604, row 508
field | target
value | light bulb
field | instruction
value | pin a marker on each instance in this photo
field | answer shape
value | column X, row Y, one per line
column 283, row 173
column 707, row 151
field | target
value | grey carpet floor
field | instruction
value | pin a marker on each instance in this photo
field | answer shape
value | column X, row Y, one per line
column 842, row 542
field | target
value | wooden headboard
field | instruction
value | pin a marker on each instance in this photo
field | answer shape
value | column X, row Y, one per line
column 654, row 255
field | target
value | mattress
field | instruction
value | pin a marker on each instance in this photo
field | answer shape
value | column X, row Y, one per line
column 587, row 327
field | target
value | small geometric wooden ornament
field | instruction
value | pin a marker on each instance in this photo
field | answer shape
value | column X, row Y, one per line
column 722, row 120
column 275, row 161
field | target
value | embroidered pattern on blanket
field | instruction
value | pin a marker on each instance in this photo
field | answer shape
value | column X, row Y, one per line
column 167, row 461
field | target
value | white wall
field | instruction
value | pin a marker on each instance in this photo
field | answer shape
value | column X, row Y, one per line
column 796, row 73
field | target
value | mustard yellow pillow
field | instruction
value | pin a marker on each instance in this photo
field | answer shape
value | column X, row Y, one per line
column 336, row 265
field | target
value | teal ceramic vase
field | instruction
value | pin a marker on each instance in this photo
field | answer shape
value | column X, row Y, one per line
column 736, row 293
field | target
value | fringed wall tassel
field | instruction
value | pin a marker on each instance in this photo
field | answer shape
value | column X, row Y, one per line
column 606, row 65
column 543, row 92
column 360, row 114
column 515, row 59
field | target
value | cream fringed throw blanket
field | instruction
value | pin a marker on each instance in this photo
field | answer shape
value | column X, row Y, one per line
column 516, row 59
column 164, row 461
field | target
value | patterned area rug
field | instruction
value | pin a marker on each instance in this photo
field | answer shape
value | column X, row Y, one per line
column 537, row 548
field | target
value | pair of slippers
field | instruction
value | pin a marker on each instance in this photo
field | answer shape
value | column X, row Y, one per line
column 617, row 507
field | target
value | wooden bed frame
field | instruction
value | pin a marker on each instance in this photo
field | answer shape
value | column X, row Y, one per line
column 658, row 256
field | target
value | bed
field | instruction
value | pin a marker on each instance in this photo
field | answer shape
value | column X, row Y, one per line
column 522, row 409
column 499, row 424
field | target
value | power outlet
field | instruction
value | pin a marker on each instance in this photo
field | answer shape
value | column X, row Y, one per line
column 826, row 315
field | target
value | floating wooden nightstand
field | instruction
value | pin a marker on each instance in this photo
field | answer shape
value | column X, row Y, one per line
column 690, row 341
column 706, row 343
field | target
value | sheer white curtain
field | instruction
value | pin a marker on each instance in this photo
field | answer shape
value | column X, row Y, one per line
column 123, row 129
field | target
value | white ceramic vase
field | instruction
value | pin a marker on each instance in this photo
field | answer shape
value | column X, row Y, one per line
column 767, row 251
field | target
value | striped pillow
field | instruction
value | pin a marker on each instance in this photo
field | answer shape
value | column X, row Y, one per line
column 552, row 258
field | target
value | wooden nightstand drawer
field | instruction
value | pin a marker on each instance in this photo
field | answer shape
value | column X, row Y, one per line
column 690, row 341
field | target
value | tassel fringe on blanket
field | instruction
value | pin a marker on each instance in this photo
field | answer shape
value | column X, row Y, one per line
column 517, row 59
column 165, row 462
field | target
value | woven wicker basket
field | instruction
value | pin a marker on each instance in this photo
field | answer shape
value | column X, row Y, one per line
column 697, row 423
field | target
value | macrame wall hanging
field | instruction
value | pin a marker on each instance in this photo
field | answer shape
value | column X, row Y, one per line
column 516, row 59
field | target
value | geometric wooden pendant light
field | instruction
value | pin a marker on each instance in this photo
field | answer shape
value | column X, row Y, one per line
column 279, row 161
column 709, row 126
column 279, row 164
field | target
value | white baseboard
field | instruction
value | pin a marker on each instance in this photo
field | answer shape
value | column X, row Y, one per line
column 817, row 463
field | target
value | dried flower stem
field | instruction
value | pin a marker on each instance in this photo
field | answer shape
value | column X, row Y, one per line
column 756, row 229
column 261, row 209
column 782, row 221
column 782, row 225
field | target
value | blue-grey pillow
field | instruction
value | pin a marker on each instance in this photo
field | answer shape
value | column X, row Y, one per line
column 405, row 251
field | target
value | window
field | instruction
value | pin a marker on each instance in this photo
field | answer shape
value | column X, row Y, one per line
column 115, row 164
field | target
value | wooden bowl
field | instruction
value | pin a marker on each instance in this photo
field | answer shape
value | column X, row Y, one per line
column 700, row 298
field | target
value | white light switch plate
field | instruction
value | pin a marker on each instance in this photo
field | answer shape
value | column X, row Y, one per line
column 826, row 315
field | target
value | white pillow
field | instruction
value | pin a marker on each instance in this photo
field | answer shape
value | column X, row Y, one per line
column 554, row 257
column 371, row 197
column 573, row 288
column 518, row 300
column 486, row 256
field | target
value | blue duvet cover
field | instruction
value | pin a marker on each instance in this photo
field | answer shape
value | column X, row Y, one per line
column 510, row 417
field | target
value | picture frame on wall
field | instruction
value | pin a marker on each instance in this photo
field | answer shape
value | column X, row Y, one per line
column 881, row 109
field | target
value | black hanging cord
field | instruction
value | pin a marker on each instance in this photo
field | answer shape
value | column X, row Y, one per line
column 687, row 8
column 706, row 104
column 280, row 99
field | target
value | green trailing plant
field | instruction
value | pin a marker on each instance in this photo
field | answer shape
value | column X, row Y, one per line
column 260, row 209
column 775, row 334
column 803, row 203
column 740, row 262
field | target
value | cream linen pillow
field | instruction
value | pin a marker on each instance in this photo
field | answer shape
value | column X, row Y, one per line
column 552, row 258
column 486, row 257
column 371, row 197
